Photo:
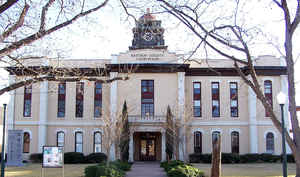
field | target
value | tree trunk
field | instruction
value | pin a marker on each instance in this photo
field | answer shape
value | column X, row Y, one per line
column 216, row 158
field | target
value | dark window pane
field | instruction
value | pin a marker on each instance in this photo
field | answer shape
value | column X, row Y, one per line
column 61, row 108
column 27, row 108
column 198, row 142
column 26, row 142
column 235, row 142
column 270, row 143
column 60, row 139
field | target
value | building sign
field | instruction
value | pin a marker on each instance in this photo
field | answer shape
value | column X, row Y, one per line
column 15, row 148
column 147, row 56
column 52, row 157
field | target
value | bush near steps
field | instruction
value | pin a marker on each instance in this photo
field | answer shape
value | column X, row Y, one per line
column 176, row 168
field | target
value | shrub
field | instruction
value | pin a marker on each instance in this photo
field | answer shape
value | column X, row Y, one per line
column 95, row 158
column 269, row 157
column 101, row 170
column 249, row 158
column 290, row 158
column 73, row 157
column 185, row 171
column 200, row 158
column 125, row 166
column 172, row 164
column 36, row 158
column 230, row 158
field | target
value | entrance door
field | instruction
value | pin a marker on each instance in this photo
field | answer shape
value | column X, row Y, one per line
column 147, row 147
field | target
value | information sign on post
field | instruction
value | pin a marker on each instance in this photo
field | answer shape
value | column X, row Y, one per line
column 52, row 157
column 15, row 148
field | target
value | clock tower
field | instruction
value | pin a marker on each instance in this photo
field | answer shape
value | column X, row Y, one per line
column 148, row 33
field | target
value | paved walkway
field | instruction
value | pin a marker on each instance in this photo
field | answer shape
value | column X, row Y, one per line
column 146, row 169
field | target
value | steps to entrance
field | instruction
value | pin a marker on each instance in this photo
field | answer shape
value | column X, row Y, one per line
column 146, row 169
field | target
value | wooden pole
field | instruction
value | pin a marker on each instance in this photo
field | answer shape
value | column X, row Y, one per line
column 216, row 157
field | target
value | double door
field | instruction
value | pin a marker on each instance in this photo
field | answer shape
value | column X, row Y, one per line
column 147, row 152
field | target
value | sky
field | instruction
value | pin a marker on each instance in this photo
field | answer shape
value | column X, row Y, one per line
column 109, row 32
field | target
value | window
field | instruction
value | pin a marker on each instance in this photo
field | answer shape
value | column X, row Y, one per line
column 197, row 99
column 147, row 99
column 26, row 142
column 233, row 99
column 27, row 101
column 97, row 142
column 215, row 94
column 79, row 99
column 98, row 100
column 61, row 105
column 215, row 135
column 235, row 146
column 198, row 142
column 268, row 94
column 270, row 143
column 60, row 139
column 78, row 141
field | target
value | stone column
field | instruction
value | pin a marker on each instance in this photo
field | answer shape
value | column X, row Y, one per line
column 287, row 120
column 163, row 146
column 113, row 108
column 181, row 107
column 11, row 105
column 252, row 121
column 131, row 148
column 42, row 128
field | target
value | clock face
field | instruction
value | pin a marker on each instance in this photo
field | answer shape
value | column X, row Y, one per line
column 148, row 36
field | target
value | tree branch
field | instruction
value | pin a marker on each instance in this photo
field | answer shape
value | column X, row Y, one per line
column 44, row 12
column 7, row 5
column 17, row 25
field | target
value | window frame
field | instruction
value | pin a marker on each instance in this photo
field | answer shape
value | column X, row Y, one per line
column 272, row 145
column 215, row 97
column 198, row 148
column 97, row 143
column 76, row 133
column 269, row 96
column 98, row 98
column 61, row 97
column 27, row 97
column 149, row 95
column 79, row 104
column 26, row 143
column 235, row 148
column 234, row 97
column 57, row 135
column 197, row 97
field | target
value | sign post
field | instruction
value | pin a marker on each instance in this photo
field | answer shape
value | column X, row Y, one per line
column 53, row 157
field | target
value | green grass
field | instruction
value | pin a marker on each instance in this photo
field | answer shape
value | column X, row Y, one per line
column 35, row 170
column 250, row 170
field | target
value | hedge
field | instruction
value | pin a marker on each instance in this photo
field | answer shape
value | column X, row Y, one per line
column 112, row 169
column 237, row 158
column 178, row 168
column 36, row 158
column 95, row 158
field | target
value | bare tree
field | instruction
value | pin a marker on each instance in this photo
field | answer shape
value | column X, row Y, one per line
column 230, row 40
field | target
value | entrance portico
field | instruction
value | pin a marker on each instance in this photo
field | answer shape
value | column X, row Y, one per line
column 147, row 145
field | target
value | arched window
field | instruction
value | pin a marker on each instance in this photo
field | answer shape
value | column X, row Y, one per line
column 78, row 141
column 270, row 143
column 268, row 94
column 60, row 139
column 97, row 142
column 198, row 142
column 235, row 144
column 26, row 142
column 215, row 135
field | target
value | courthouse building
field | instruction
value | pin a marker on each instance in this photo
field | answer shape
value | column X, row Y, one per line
column 207, row 96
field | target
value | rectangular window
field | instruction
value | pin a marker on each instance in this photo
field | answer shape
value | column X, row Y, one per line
column 27, row 101
column 234, row 99
column 78, row 141
column 215, row 94
column 98, row 100
column 79, row 99
column 147, row 100
column 61, row 104
column 197, row 99
column 268, row 95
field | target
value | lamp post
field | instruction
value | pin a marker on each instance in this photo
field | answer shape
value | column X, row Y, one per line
column 281, row 99
column 3, row 143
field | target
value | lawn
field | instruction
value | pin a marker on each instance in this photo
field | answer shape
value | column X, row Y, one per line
column 250, row 170
column 35, row 170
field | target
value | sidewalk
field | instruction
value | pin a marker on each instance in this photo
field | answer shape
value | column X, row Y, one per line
column 146, row 169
